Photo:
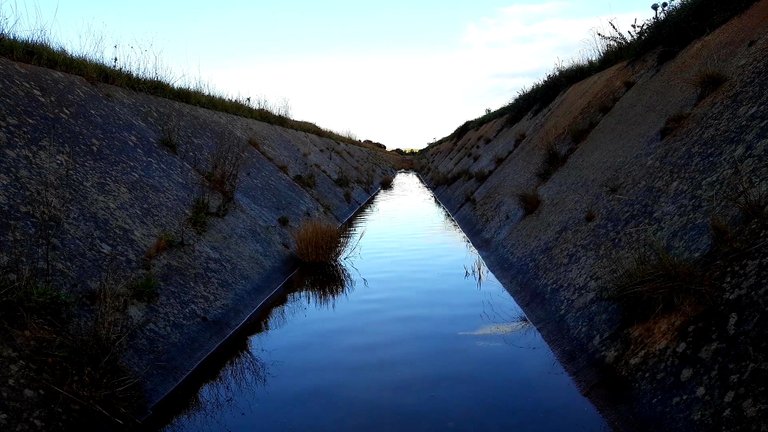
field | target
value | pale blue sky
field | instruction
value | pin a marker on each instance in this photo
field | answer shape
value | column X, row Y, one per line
column 399, row 72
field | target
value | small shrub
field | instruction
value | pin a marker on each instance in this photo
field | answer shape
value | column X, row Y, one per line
column 723, row 237
column 553, row 161
column 673, row 123
column 499, row 160
column 605, row 108
column 439, row 179
column 590, row 216
column 653, row 281
column 163, row 242
column 386, row 182
column 169, row 138
column 319, row 242
column 579, row 134
column 470, row 198
column 26, row 298
column 283, row 221
column 751, row 199
column 481, row 175
column 347, row 196
column 520, row 138
column 342, row 181
column 529, row 202
column 460, row 174
column 145, row 288
column 306, row 181
column 225, row 163
column 708, row 82
column 198, row 218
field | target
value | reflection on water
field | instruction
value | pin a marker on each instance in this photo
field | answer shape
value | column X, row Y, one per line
column 322, row 284
column 412, row 332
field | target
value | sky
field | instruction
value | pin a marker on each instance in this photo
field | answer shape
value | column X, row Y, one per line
column 400, row 72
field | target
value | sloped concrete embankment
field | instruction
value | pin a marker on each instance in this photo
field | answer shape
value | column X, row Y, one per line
column 121, row 171
column 609, row 181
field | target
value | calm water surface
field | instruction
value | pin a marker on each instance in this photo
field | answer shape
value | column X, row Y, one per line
column 414, row 334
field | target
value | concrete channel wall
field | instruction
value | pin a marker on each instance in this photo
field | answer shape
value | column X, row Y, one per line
column 622, row 186
column 120, row 172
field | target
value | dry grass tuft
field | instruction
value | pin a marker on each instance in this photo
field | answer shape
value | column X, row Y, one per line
column 708, row 82
column 673, row 123
column 529, row 201
column 386, row 182
column 319, row 242
column 653, row 282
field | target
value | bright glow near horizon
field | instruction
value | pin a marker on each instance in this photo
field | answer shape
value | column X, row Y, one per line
column 398, row 73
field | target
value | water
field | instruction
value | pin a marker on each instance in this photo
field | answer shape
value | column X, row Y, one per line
column 414, row 334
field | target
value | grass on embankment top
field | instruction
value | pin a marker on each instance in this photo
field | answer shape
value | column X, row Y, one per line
column 40, row 51
column 685, row 21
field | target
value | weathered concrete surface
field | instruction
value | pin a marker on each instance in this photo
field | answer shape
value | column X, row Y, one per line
column 90, row 156
column 622, row 187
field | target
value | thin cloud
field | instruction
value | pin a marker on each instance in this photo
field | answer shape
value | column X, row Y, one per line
column 406, row 99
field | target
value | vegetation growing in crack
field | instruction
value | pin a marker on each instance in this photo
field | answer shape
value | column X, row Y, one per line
column 529, row 202
column 319, row 242
column 708, row 82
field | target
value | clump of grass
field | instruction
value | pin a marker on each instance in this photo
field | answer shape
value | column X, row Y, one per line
column 529, row 202
column 723, row 237
column 255, row 143
column 481, row 175
column 145, row 288
column 590, row 216
column 169, row 138
column 519, row 138
column 224, row 166
column 653, row 281
column 23, row 297
column 93, row 352
column 319, row 242
column 580, row 133
column 460, row 174
column 673, row 123
column 342, row 181
column 347, row 196
column 162, row 243
column 73, row 353
column 439, row 179
column 554, row 159
column 708, row 82
column 499, row 160
column 386, row 182
column 751, row 199
column 283, row 221
column 306, row 181
column 470, row 198
column 199, row 215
